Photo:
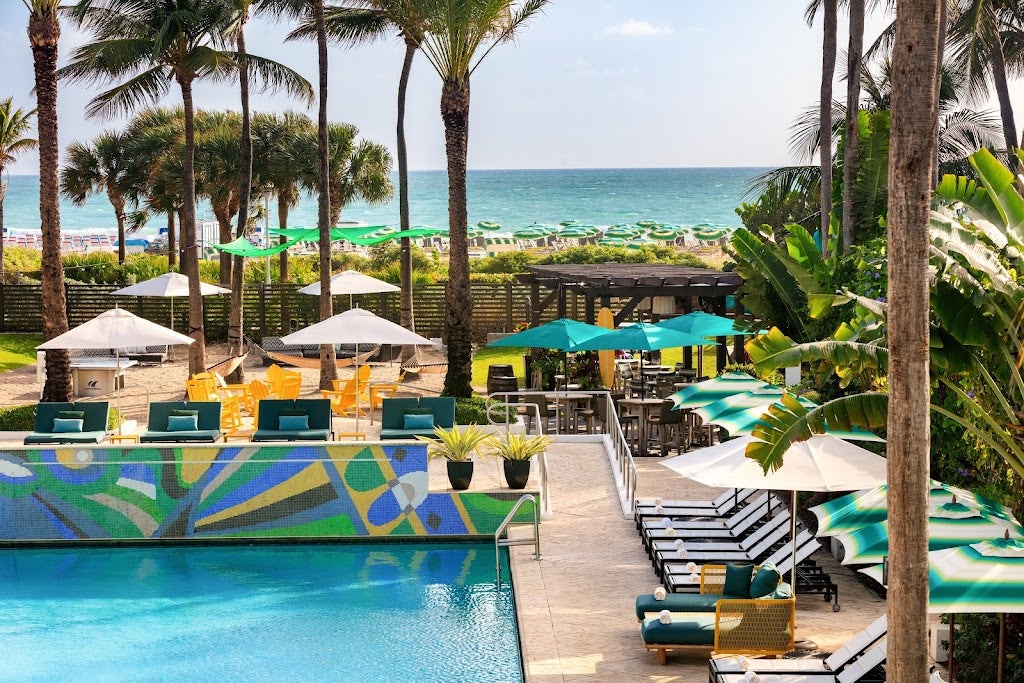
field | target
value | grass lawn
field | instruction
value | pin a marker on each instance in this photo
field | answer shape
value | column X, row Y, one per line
column 19, row 350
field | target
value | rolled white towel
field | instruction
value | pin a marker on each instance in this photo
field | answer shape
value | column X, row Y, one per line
column 678, row 543
column 743, row 663
column 691, row 567
column 751, row 677
column 682, row 553
column 666, row 522
column 669, row 531
column 660, row 593
column 657, row 501
column 694, row 578
column 665, row 617
column 659, row 509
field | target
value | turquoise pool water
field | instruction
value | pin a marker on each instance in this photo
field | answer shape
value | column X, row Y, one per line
column 384, row 612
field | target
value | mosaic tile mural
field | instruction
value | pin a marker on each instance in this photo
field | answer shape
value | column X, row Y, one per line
column 228, row 491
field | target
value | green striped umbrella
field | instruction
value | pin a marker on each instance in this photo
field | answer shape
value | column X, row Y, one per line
column 710, row 234
column 640, row 243
column 647, row 224
column 569, row 222
column 530, row 234
column 573, row 233
column 490, row 226
column 624, row 233
column 663, row 235
column 870, row 506
column 612, row 242
column 709, row 391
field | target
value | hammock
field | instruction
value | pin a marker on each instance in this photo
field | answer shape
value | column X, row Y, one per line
column 314, row 363
column 228, row 365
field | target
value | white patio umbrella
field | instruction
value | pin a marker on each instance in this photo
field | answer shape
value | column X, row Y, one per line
column 821, row 463
column 115, row 329
column 168, row 285
column 355, row 326
column 352, row 282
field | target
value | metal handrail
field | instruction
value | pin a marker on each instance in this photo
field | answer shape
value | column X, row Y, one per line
column 523, row 499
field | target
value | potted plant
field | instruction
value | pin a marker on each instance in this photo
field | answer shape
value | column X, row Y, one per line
column 517, row 450
column 456, row 446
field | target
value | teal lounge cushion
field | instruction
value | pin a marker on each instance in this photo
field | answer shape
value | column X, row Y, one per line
column 413, row 421
column 182, row 423
column 291, row 435
column 71, row 414
column 679, row 602
column 292, row 423
column 200, row 435
column 183, row 413
column 293, row 412
column 765, row 581
column 64, row 425
column 686, row 629
column 70, row 437
column 737, row 579
column 410, row 434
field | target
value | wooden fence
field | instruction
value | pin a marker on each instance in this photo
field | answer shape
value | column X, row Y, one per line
column 274, row 310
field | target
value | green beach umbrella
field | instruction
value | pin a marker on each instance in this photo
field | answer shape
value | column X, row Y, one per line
column 710, row 234
column 611, row 242
column 711, row 390
column 574, row 233
column 663, row 235
column 647, row 224
column 473, row 233
column 744, row 419
column 640, row 243
column 567, row 223
column 490, row 226
column 530, row 234
column 624, row 233
column 870, row 506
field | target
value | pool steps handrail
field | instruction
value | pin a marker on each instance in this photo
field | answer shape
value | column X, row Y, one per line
column 500, row 542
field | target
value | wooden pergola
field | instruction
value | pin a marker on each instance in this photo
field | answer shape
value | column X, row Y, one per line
column 693, row 288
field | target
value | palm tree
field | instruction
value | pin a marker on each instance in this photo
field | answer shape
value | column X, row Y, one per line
column 459, row 37
column 44, row 35
column 14, row 126
column 359, row 170
column 99, row 166
column 854, row 57
column 219, row 172
column 152, row 43
column 830, row 13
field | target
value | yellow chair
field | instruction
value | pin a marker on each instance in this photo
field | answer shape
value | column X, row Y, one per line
column 379, row 392
column 344, row 401
column 290, row 386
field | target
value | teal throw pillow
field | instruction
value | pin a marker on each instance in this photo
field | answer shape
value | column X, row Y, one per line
column 419, row 422
column 737, row 580
column 64, row 425
column 783, row 592
column 293, row 412
column 184, row 413
column 71, row 414
column 182, row 423
column 765, row 581
column 293, row 423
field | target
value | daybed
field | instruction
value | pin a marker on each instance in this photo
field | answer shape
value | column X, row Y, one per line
column 183, row 421
column 70, row 423
column 301, row 419
column 723, row 616
column 403, row 418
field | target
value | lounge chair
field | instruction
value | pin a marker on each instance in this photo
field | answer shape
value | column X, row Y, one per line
column 758, row 545
column 719, row 507
column 273, row 423
column 730, row 528
column 165, row 426
column 861, row 651
column 864, row 669
column 81, row 422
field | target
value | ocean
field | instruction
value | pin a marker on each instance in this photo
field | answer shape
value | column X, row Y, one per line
column 513, row 198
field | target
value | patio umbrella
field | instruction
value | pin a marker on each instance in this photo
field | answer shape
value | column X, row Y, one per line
column 168, row 285
column 115, row 329
column 821, row 463
column 562, row 335
column 355, row 326
column 711, row 390
column 984, row 577
column 488, row 225
column 352, row 282
column 611, row 242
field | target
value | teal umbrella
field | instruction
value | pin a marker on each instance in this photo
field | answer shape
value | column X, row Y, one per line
column 743, row 418
column 709, row 391
column 562, row 335
column 702, row 324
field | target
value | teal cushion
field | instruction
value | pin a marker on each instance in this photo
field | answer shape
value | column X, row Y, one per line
column 685, row 629
column 413, row 421
column 677, row 602
column 182, row 423
column 64, row 425
column 293, row 412
column 183, row 413
column 290, row 423
column 765, row 581
column 418, row 411
column 71, row 414
column 737, row 579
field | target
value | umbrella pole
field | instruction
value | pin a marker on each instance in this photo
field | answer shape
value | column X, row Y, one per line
column 952, row 630
column 1002, row 647
column 792, row 533
column 117, row 387
column 358, row 388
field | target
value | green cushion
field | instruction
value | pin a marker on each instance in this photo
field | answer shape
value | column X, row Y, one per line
column 765, row 581
column 413, row 421
column 293, row 412
column 63, row 425
column 71, row 437
column 418, row 411
column 685, row 629
column 291, row 435
column 677, row 602
column 201, row 435
column 737, row 579
column 71, row 414
column 183, row 413
column 183, row 423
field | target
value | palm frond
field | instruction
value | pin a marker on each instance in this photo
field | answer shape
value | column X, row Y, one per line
column 272, row 76
column 350, row 26
column 148, row 86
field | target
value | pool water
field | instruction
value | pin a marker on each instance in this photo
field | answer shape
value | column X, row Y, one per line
column 384, row 612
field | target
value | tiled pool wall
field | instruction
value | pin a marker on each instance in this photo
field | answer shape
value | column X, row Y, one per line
column 350, row 490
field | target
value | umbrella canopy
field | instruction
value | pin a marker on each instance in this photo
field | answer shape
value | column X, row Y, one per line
column 864, row 508
column 352, row 282
column 708, row 391
column 562, row 334
column 355, row 326
column 701, row 324
column 488, row 225
column 530, row 233
column 168, row 285
column 611, row 242
column 115, row 329
column 641, row 337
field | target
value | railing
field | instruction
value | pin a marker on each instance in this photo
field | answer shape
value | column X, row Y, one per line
column 503, row 527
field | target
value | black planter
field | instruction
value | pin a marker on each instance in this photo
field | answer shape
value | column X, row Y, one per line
column 517, row 473
column 460, row 474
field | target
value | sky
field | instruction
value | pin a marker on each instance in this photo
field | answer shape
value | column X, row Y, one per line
column 587, row 84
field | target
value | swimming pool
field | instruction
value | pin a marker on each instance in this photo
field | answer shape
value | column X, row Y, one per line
column 380, row 612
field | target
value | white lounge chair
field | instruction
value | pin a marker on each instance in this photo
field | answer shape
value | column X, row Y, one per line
column 852, row 672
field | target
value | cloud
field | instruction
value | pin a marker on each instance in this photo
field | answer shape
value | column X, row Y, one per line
column 634, row 28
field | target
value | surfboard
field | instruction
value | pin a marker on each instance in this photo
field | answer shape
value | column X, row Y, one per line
column 605, row 318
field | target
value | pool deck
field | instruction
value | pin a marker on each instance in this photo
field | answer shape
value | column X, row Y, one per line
column 575, row 606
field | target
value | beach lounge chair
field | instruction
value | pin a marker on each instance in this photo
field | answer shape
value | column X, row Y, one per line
column 860, row 653
column 720, row 506
column 709, row 520
column 169, row 422
column 81, row 422
column 758, row 545
column 730, row 528
column 274, row 420
column 865, row 669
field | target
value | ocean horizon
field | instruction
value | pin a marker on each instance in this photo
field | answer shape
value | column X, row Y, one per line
column 514, row 198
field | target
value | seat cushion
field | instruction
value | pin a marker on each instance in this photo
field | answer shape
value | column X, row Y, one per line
column 73, row 437
column 765, row 581
column 410, row 434
column 203, row 435
column 737, row 579
column 679, row 602
column 687, row 628
column 291, row 435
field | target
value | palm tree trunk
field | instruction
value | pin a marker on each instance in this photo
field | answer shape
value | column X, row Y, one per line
column 222, row 213
column 172, row 241
column 328, row 369
column 913, row 136
column 854, row 55
column 458, row 319
column 235, row 336
column 828, row 72
column 999, row 79
column 190, row 250
column 282, row 222
column 117, row 201
column 405, row 262
column 943, row 32
column 44, row 34
column 1, row 236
